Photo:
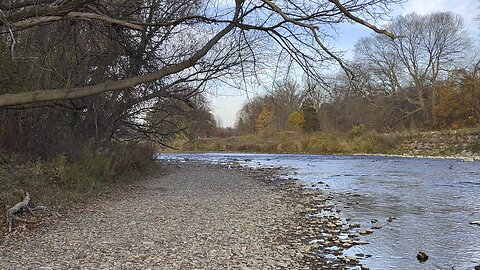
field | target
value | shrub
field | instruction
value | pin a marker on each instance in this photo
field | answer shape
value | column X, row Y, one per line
column 296, row 121
column 76, row 178
column 357, row 131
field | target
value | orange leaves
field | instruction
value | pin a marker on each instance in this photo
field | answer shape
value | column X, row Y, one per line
column 458, row 102
column 264, row 120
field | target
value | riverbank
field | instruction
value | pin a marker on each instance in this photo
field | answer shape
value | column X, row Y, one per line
column 64, row 182
column 458, row 144
column 406, row 204
column 191, row 216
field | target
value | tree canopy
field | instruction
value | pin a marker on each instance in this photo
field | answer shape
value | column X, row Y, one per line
column 166, row 41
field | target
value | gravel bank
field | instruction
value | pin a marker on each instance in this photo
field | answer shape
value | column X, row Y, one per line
column 193, row 216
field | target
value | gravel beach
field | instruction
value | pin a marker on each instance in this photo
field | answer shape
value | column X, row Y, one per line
column 189, row 216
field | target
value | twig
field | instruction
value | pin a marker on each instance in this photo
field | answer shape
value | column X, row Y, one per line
column 362, row 22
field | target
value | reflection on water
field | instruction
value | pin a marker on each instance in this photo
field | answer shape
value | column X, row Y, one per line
column 433, row 201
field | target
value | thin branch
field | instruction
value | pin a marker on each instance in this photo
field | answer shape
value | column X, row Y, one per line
column 75, row 15
column 362, row 22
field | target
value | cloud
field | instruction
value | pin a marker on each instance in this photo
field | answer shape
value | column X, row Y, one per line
column 469, row 9
column 426, row 6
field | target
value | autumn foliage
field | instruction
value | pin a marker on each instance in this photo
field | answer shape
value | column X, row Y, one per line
column 458, row 101
column 264, row 120
column 296, row 121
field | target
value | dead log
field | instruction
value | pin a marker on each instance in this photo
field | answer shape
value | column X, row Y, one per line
column 17, row 208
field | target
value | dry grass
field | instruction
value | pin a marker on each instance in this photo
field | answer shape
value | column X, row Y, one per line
column 292, row 142
column 64, row 181
column 358, row 140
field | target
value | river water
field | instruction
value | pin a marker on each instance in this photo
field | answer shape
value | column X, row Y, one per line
column 433, row 201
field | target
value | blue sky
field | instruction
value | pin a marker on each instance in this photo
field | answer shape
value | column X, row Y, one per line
column 228, row 102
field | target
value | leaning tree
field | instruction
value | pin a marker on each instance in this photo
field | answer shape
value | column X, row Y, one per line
column 106, row 64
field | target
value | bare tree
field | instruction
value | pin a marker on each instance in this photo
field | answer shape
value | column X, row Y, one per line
column 383, row 65
column 247, row 116
column 430, row 46
column 298, row 28
column 285, row 97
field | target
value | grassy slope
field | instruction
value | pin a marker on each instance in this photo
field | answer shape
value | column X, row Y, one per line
column 444, row 143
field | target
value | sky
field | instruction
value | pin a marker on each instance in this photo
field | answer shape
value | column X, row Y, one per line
column 228, row 101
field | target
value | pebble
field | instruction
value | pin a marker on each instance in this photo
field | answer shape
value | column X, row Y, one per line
column 193, row 216
column 365, row 232
column 422, row 256
column 351, row 260
column 283, row 264
column 475, row 222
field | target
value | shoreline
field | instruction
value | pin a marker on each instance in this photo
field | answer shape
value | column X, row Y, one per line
column 371, row 221
column 457, row 144
column 323, row 234
column 462, row 158
column 196, row 215
column 405, row 155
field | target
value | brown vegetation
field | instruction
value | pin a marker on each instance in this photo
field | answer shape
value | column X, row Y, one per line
column 422, row 81
column 358, row 141
column 64, row 181
column 462, row 143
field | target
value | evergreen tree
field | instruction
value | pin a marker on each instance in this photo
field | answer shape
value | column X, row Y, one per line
column 311, row 116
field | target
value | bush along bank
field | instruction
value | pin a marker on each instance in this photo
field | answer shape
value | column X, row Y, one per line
column 64, row 181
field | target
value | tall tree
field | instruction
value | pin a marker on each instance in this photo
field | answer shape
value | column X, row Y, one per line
column 430, row 46
column 311, row 116
column 285, row 98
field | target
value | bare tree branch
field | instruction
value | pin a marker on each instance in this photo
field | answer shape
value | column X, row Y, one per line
column 69, row 93
column 75, row 15
column 289, row 30
column 362, row 22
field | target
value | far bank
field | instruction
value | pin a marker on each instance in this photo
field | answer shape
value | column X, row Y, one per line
column 461, row 144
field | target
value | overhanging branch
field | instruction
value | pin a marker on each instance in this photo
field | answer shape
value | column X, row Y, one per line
column 75, row 15
column 69, row 93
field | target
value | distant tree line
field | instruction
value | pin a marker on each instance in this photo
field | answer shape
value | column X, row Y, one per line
column 286, row 107
column 427, row 79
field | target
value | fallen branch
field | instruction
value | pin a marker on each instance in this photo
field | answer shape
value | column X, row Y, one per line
column 17, row 208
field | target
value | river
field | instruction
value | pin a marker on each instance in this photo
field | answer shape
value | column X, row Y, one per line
column 432, row 200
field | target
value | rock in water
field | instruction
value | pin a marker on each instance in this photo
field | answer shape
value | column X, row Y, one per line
column 477, row 267
column 391, row 218
column 422, row 256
